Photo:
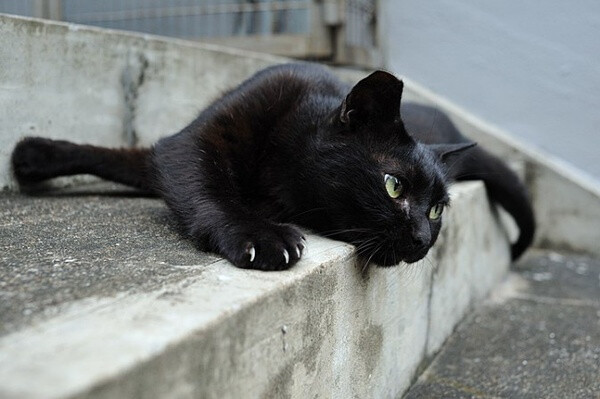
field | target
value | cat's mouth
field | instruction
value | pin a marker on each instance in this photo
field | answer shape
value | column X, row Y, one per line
column 392, row 258
column 385, row 252
column 416, row 257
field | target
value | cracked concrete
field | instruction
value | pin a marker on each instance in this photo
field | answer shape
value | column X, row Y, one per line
column 132, row 79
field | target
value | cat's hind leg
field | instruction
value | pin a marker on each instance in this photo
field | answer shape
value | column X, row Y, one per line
column 36, row 159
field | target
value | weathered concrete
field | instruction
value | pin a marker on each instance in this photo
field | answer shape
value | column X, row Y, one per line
column 91, row 241
column 105, row 87
column 106, row 300
column 455, row 287
column 537, row 337
column 102, row 298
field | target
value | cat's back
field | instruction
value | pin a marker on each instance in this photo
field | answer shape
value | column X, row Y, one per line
column 429, row 125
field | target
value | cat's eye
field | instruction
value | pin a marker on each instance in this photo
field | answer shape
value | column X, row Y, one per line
column 393, row 186
column 436, row 211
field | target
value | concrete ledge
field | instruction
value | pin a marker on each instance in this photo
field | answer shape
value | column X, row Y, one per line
column 104, row 87
column 323, row 328
column 94, row 307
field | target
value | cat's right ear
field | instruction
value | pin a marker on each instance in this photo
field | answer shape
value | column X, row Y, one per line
column 447, row 152
column 376, row 98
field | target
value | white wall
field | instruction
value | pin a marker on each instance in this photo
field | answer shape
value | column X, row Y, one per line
column 530, row 67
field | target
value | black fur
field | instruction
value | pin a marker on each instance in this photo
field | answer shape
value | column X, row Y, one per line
column 294, row 146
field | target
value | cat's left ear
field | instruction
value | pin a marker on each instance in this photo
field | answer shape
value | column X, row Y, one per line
column 375, row 98
column 447, row 152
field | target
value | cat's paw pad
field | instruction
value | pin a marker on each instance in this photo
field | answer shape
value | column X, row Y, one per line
column 271, row 247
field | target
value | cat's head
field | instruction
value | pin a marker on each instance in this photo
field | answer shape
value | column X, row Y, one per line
column 386, row 192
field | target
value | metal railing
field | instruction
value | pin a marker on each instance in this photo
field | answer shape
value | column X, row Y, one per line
column 339, row 31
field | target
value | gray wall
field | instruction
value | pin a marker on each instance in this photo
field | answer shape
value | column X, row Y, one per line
column 530, row 67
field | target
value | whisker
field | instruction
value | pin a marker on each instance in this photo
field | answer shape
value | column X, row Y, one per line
column 366, row 243
column 307, row 212
column 332, row 233
column 369, row 259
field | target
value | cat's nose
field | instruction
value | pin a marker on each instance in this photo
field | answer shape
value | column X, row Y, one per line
column 420, row 239
column 421, row 234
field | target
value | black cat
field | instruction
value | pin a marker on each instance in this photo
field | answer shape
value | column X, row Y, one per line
column 293, row 145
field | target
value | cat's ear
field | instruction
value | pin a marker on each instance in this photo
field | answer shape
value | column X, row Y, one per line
column 447, row 152
column 375, row 98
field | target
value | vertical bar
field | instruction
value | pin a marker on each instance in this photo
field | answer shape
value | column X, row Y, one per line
column 48, row 9
column 376, row 28
column 55, row 9
column 39, row 9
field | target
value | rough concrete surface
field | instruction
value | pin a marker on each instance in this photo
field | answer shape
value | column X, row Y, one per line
column 85, row 242
column 102, row 298
column 537, row 337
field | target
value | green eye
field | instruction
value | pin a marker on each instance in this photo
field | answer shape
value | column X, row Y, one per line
column 393, row 186
column 436, row 211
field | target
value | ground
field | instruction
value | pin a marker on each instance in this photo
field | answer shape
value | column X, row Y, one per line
column 538, row 336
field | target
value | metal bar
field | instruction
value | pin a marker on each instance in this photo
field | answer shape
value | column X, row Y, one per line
column 48, row 9
column 39, row 9
column 54, row 9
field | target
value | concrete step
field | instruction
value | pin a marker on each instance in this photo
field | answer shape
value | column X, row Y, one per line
column 101, row 298
column 538, row 336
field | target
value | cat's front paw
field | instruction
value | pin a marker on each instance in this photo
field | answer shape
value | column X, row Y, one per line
column 268, row 247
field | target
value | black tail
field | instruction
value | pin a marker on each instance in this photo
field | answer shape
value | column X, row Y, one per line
column 504, row 187
column 36, row 159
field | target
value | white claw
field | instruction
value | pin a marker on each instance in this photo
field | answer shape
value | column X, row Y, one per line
column 298, row 252
column 286, row 255
column 252, row 253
